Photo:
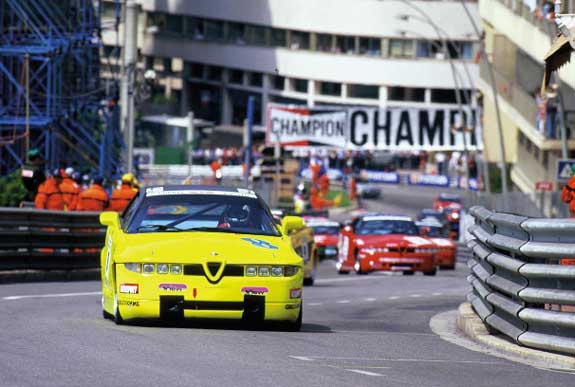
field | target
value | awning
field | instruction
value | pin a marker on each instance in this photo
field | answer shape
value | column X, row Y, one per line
column 557, row 56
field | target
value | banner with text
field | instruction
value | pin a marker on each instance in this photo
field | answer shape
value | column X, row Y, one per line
column 394, row 128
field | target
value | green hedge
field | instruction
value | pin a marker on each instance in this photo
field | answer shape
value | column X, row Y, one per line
column 12, row 191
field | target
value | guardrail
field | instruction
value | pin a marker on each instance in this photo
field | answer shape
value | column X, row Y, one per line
column 517, row 279
column 49, row 240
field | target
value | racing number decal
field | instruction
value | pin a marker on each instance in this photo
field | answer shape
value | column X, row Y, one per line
column 260, row 243
column 108, row 257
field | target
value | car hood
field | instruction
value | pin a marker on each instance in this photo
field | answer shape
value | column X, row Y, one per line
column 182, row 247
column 443, row 242
column 392, row 240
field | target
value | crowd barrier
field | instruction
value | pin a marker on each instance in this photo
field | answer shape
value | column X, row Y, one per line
column 519, row 287
column 49, row 240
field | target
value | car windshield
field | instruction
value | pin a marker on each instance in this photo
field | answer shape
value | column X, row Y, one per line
column 433, row 231
column 325, row 230
column 451, row 199
column 431, row 215
column 385, row 227
column 203, row 212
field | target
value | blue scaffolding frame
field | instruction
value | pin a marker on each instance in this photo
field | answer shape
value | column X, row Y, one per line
column 71, row 121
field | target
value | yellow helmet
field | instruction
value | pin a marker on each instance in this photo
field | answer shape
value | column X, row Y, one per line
column 128, row 178
column 135, row 183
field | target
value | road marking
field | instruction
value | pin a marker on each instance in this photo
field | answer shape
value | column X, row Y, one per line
column 404, row 360
column 10, row 298
column 314, row 304
column 342, row 302
column 437, row 294
column 370, row 299
column 363, row 278
column 393, row 298
column 415, row 295
column 302, row 358
column 363, row 372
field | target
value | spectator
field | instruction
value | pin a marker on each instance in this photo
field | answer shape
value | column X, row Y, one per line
column 33, row 174
column 49, row 196
column 551, row 111
column 541, row 113
column 122, row 196
column 440, row 159
column 94, row 198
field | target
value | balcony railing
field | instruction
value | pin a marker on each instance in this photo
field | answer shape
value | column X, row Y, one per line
column 521, row 9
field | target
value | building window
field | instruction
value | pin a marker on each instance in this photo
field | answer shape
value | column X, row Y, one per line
column 236, row 77
column 214, row 73
column 324, row 43
column 196, row 70
column 214, row 30
column 279, row 38
column 299, row 40
column 256, row 35
column 410, row 94
column 545, row 159
column 255, row 79
column 430, row 49
column 175, row 24
column 443, row 96
column 401, row 48
column 363, row 91
column 330, row 88
column 237, row 33
column 195, row 28
column 463, row 50
column 370, row 46
column 300, row 85
column 278, row 82
column 345, row 44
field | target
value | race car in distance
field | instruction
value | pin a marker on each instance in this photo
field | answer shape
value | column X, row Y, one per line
column 429, row 214
column 326, row 237
column 385, row 242
column 368, row 191
column 453, row 214
column 445, row 200
column 200, row 252
column 446, row 248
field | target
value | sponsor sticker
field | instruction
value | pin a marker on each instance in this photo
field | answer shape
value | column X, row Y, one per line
column 173, row 287
column 255, row 290
column 417, row 240
column 260, row 243
column 129, row 303
column 129, row 288
column 159, row 191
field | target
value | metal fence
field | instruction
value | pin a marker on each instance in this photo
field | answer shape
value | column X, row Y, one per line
column 53, row 240
column 519, row 287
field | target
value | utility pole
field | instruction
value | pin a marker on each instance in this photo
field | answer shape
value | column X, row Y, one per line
column 128, row 80
column 27, row 75
column 190, row 139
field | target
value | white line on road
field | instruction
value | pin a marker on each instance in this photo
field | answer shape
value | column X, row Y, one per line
column 415, row 295
column 342, row 302
column 10, row 298
column 403, row 360
column 370, row 299
column 393, row 298
column 437, row 294
column 363, row 278
column 314, row 304
column 302, row 358
column 364, row 372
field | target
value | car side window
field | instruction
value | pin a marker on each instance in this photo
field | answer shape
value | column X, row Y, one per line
column 129, row 211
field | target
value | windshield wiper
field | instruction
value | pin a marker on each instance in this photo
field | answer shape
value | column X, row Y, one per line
column 159, row 227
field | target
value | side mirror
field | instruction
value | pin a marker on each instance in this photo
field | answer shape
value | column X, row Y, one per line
column 292, row 223
column 110, row 219
column 424, row 231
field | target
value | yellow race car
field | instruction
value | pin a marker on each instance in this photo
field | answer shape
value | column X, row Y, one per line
column 201, row 252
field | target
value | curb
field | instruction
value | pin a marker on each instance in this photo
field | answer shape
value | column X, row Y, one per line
column 470, row 324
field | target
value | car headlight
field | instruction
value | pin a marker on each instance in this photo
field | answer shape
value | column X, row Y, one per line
column 290, row 271
column 264, row 271
column 176, row 269
column 277, row 271
column 148, row 268
column 251, row 271
column 455, row 215
column 134, row 267
column 163, row 268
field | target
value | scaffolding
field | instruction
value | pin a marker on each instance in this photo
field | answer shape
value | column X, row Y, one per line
column 51, row 97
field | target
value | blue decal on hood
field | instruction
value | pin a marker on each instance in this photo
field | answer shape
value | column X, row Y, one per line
column 260, row 243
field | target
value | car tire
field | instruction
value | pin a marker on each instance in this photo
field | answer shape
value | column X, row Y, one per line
column 357, row 266
column 431, row 273
column 408, row 272
column 117, row 316
column 342, row 272
column 295, row 326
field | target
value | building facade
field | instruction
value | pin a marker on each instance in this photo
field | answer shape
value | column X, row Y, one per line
column 517, row 37
column 209, row 56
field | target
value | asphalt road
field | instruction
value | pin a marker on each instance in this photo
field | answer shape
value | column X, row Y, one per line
column 358, row 331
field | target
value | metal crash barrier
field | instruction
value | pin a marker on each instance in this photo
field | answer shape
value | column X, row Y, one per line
column 49, row 240
column 519, row 287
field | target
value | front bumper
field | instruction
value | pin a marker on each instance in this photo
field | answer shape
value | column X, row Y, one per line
column 389, row 262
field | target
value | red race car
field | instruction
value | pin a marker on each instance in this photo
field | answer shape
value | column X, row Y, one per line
column 446, row 200
column 385, row 242
column 326, row 237
column 446, row 248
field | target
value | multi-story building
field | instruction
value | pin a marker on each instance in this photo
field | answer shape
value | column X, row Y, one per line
column 210, row 55
column 517, row 37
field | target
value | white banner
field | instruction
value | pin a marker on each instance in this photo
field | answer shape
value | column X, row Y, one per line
column 426, row 128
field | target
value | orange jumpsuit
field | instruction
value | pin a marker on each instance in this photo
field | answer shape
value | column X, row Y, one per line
column 49, row 196
column 70, row 191
column 94, row 198
column 121, row 197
